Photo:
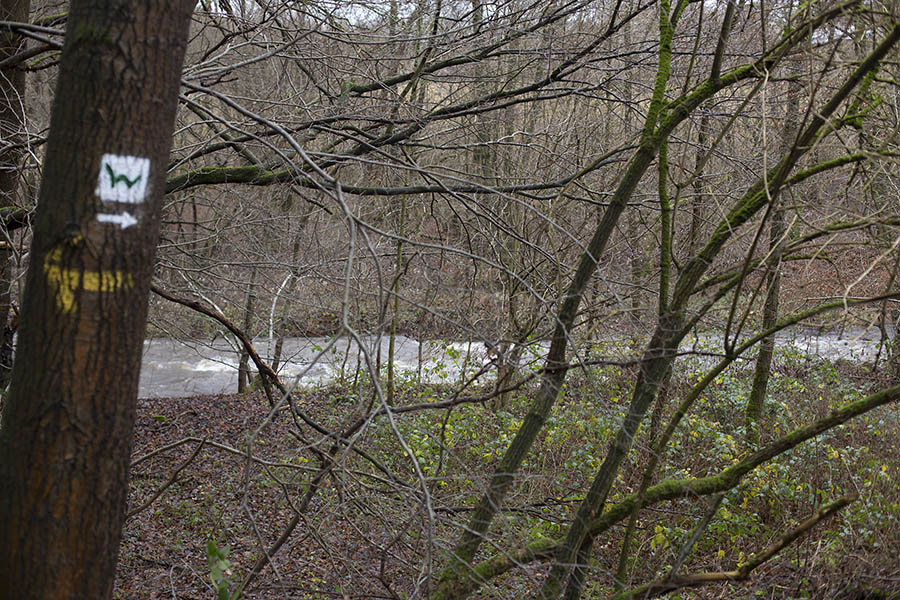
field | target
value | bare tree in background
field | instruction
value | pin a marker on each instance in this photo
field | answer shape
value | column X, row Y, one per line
column 533, row 173
column 13, row 142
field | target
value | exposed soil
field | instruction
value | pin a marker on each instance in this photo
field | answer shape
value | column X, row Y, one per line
column 216, row 498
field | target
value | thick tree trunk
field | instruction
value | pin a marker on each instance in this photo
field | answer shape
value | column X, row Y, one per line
column 66, row 435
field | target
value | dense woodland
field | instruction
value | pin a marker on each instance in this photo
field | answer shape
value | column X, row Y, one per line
column 621, row 200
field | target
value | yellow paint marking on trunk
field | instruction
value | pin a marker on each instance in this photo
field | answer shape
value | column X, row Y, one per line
column 68, row 282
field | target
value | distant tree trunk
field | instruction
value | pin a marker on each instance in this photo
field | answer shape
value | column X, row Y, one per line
column 757, row 398
column 12, row 128
column 66, row 436
column 395, row 289
column 244, row 377
column 699, row 199
column 294, row 276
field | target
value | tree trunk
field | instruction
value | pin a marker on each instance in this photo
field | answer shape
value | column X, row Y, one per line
column 244, row 377
column 699, row 199
column 756, row 400
column 395, row 288
column 66, row 436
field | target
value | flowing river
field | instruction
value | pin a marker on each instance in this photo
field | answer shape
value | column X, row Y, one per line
column 175, row 368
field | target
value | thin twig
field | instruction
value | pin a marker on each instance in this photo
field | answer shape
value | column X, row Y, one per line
column 169, row 482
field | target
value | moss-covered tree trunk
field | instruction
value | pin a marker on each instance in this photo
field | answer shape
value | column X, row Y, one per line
column 66, row 436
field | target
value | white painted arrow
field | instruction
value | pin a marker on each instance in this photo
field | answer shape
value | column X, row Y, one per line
column 124, row 220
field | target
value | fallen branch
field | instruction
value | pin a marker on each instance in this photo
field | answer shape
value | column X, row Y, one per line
column 169, row 482
column 224, row 447
column 266, row 374
column 664, row 586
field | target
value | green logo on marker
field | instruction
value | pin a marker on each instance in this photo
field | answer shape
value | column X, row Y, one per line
column 115, row 179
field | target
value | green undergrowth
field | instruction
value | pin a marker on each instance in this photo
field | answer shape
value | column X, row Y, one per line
column 457, row 450
column 369, row 514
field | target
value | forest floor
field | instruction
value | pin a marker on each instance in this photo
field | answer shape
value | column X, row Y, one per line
column 365, row 536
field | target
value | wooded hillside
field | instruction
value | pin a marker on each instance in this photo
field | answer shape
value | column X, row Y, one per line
column 622, row 201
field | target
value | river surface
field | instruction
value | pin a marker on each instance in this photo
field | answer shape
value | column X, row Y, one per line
column 174, row 368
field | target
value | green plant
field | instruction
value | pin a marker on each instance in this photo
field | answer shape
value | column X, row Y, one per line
column 219, row 568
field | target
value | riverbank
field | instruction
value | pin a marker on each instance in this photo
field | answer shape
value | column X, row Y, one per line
column 365, row 532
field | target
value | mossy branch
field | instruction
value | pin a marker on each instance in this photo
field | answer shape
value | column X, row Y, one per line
column 730, row 477
column 532, row 424
column 461, row 584
column 251, row 174
column 777, row 178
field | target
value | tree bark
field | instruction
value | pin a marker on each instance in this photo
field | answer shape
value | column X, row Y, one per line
column 66, row 436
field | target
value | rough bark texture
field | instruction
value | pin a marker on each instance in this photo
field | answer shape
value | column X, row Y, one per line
column 65, row 442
